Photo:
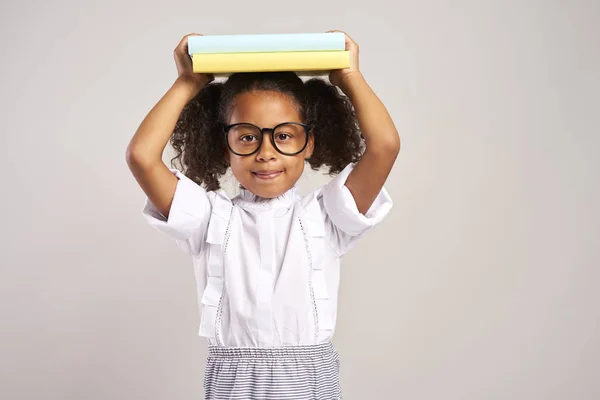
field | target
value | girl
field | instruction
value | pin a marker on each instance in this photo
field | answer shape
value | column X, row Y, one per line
column 267, row 261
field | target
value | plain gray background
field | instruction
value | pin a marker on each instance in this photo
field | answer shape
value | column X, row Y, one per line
column 480, row 284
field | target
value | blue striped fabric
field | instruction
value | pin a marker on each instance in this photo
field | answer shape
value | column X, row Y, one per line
column 298, row 372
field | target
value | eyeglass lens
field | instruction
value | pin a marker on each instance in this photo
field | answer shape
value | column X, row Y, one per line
column 288, row 138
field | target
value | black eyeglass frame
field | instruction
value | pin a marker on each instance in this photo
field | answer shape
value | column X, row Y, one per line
column 306, row 127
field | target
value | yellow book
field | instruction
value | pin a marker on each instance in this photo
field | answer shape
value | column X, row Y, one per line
column 274, row 61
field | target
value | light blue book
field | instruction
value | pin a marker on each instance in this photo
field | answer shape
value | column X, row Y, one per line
column 266, row 42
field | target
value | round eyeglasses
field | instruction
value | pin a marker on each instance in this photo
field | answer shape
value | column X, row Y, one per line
column 288, row 138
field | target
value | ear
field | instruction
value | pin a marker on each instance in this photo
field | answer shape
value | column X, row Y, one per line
column 310, row 147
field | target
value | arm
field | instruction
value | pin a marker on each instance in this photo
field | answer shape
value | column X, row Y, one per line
column 144, row 152
column 381, row 137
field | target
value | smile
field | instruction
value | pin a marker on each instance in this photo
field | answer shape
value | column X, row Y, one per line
column 267, row 175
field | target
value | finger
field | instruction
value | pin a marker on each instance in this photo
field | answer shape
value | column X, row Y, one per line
column 337, row 30
column 347, row 39
column 183, row 44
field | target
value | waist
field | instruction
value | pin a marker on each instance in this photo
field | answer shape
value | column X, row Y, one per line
column 303, row 351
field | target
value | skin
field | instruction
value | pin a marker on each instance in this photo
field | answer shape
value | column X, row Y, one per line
column 144, row 152
column 381, row 137
column 267, row 109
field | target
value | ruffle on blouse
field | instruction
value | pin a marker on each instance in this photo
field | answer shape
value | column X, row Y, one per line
column 247, row 200
column 217, row 241
column 313, row 223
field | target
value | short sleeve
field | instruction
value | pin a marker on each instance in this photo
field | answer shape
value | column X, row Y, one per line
column 188, row 216
column 348, row 224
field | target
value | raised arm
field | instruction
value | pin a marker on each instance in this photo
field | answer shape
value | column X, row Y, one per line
column 381, row 137
column 144, row 152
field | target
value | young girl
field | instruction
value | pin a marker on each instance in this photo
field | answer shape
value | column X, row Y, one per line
column 267, row 262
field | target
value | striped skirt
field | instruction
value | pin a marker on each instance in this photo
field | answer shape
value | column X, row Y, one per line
column 297, row 372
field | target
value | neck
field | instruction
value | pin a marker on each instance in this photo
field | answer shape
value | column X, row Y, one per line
column 251, row 200
column 254, row 197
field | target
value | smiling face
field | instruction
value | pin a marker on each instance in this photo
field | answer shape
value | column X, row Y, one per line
column 267, row 173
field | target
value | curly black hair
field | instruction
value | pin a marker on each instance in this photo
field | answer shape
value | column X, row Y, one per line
column 199, row 142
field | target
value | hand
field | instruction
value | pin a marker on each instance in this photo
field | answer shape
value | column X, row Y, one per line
column 336, row 76
column 183, row 61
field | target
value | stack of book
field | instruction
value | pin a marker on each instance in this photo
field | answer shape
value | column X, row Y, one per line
column 304, row 53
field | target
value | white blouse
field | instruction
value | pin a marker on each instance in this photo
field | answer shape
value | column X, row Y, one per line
column 267, row 273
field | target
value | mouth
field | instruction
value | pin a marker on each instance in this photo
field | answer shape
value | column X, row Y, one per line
column 267, row 174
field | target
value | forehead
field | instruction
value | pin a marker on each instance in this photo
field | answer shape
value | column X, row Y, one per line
column 264, row 108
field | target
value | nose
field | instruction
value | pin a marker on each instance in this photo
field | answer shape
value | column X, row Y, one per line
column 266, row 150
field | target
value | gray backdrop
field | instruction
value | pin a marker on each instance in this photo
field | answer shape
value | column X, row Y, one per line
column 480, row 284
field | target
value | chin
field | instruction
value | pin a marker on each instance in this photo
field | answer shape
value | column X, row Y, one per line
column 267, row 193
column 268, row 187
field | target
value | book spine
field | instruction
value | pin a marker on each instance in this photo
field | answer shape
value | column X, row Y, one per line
column 263, row 62
column 260, row 43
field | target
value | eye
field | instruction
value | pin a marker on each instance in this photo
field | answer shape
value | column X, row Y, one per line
column 243, row 138
column 283, row 136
